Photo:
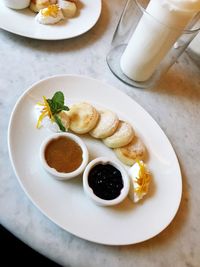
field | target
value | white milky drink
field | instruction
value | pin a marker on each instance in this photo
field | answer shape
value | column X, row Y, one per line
column 157, row 31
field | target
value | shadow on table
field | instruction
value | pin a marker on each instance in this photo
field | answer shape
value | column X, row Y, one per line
column 15, row 252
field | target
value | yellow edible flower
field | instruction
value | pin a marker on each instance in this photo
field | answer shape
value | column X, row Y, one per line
column 51, row 10
column 46, row 111
column 142, row 180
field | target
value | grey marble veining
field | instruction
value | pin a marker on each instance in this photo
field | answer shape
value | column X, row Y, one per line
column 174, row 104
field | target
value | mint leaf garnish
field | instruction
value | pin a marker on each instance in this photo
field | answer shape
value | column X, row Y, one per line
column 56, row 105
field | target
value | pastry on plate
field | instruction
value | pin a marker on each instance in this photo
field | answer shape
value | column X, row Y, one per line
column 121, row 137
column 107, row 124
column 37, row 5
column 83, row 118
column 50, row 15
column 68, row 8
column 128, row 154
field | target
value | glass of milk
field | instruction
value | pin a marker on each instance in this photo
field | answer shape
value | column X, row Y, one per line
column 149, row 38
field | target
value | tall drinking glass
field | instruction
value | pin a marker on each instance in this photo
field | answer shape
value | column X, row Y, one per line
column 149, row 38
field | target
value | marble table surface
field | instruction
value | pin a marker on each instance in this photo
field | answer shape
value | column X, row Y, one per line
column 174, row 104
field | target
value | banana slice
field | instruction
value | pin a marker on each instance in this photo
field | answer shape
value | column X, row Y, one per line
column 121, row 137
column 107, row 124
column 129, row 153
column 83, row 118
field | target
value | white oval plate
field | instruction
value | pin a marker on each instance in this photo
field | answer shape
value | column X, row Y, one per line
column 65, row 202
column 22, row 22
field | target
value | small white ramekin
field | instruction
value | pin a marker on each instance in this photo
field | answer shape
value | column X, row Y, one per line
column 54, row 172
column 89, row 191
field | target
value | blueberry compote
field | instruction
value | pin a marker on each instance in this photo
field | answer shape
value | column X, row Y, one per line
column 106, row 181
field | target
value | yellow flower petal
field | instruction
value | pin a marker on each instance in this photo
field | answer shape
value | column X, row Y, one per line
column 46, row 111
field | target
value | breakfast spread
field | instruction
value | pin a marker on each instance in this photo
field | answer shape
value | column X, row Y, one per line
column 84, row 118
column 105, row 181
column 63, row 154
column 48, row 11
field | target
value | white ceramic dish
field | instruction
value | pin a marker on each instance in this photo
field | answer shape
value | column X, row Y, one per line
column 54, row 172
column 126, row 223
column 22, row 22
column 88, row 190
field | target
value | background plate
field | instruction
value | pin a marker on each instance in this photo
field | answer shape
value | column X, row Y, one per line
column 65, row 202
column 22, row 22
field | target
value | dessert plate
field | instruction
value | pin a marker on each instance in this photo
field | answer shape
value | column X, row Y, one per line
column 65, row 202
column 22, row 22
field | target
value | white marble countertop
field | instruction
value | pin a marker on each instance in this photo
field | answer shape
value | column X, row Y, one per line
column 174, row 104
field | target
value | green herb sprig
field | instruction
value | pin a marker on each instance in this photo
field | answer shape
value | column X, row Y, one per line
column 57, row 104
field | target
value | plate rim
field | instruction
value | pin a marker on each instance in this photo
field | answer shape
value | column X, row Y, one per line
column 40, row 208
column 53, row 38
